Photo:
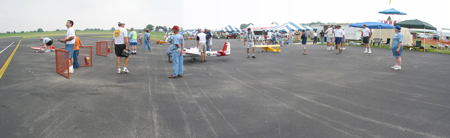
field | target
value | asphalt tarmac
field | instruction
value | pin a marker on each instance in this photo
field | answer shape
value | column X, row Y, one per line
column 284, row 94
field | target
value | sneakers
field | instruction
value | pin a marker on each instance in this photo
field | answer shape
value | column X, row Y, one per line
column 365, row 51
column 118, row 71
column 248, row 56
column 398, row 68
column 369, row 52
column 253, row 57
column 328, row 48
column 71, row 70
column 343, row 48
column 393, row 67
column 125, row 71
column 332, row 48
column 48, row 50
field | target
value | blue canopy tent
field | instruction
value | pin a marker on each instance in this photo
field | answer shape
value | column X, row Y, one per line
column 307, row 28
column 229, row 28
column 392, row 11
column 373, row 25
column 286, row 27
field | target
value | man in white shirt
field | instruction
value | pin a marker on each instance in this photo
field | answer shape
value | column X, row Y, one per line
column 330, row 38
column 121, row 45
column 46, row 43
column 339, row 34
column 251, row 39
column 70, row 43
column 201, row 44
column 366, row 34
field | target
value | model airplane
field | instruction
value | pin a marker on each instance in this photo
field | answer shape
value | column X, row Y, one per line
column 41, row 49
column 269, row 47
column 193, row 52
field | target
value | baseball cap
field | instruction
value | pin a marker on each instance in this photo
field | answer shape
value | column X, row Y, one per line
column 175, row 27
column 147, row 30
column 121, row 22
column 398, row 27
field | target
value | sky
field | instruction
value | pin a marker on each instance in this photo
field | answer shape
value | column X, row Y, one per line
column 29, row 15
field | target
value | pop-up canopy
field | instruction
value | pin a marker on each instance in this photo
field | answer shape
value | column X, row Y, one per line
column 392, row 11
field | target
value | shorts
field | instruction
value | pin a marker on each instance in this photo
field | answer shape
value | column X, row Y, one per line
column 202, row 47
column 133, row 43
column 49, row 43
column 70, row 47
column 338, row 40
column 330, row 39
column 365, row 40
column 250, row 44
column 394, row 52
column 118, row 49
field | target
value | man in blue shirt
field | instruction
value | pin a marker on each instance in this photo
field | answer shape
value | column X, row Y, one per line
column 397, row 48
column 274, row 38
column 147, row 40
column 208, row 38
column 133, row 40
column 177, row 53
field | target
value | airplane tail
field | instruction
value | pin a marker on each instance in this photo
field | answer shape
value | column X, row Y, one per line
column 226, row 47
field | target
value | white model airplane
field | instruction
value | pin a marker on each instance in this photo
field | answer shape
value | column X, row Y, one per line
column 193, row 52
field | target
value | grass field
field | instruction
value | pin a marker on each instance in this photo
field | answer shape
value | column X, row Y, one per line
column 50, row 34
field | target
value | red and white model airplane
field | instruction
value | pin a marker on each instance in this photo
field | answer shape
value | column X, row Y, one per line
column 193, row 52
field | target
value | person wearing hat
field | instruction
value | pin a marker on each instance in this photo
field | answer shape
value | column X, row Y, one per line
column 177, row 53
column 147, row 40
column 366, row 34
column 210, row 39
column 120, row 45
column 46, row 43
column 251, row 39
column 397, row 48
column 338, row 34
column 330, row 38
column 133, row 40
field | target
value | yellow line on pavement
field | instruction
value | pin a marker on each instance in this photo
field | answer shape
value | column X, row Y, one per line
column 9, row 60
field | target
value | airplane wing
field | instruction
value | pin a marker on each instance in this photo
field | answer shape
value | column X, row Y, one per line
column 267, row 45
column 191, row 51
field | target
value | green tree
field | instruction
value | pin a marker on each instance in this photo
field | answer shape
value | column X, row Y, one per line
column 149, row 27
column 274, row 23
column 40, row 30
column 113, row 29
column 57, row 29
column 245, row 25
column 14, row 31
column 164, row 28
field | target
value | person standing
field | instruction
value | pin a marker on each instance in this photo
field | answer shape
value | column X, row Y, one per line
column 121, row 45
column 322, row 34
column 208, row 37
column 315, row 37
column 70, row 43
column 147, row 40
column 139, row 37
column 366, row 34
column 46, row 43
column 338, row 34
column 397, row 48
column 303, row 36
column 330, row 38
column 201, row 44
column 280, row 37
column 249, row 41
column 343, row 39
column 177, row 53
column 76, row 51
column 274, row 38
column 133, row 40
column 210, row 40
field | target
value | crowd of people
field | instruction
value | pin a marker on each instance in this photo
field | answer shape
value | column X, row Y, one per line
column 124, row 40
